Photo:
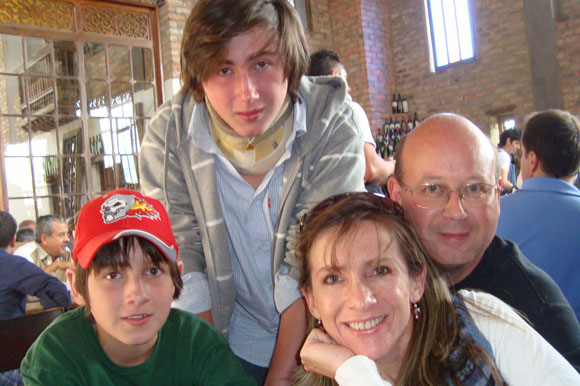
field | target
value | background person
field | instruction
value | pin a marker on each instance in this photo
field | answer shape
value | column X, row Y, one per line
column 49, row 252
column 445, row 180
column 23, row 236
column 377, row 170
column 19, row 278
column 509, row 143
column 543, row 217
column 246, row 147
column 385, row 315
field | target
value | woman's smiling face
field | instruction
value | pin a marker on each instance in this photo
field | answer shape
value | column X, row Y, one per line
column 363, row 294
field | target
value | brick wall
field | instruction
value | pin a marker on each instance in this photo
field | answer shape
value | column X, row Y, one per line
column 499, row 77
column 383, row 44
column 498, row 80
column 358, row 32
column 172, row 17
column 568, row 43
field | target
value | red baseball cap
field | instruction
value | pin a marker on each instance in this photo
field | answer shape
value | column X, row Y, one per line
column 120, row 213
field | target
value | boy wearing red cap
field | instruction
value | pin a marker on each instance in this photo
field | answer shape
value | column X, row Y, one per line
column 125, row 279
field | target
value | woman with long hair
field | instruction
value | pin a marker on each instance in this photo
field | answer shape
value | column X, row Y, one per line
column 381, row 312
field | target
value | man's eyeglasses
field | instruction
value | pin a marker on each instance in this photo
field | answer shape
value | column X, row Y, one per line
column 325, row 204
column 434, row 196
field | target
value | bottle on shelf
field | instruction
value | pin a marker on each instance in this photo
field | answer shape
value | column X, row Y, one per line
column 399, row 104
column 416, row 120
column 405, row 105
column 410, row 122
column 404, row 127
column 394, row 104
column 386, row 125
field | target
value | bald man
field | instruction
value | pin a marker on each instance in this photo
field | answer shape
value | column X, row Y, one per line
column 445, row 180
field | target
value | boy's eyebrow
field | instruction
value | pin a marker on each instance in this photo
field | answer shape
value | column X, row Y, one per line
column 255, row 55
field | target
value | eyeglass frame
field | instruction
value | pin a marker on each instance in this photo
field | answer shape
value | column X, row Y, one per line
column 460, row 190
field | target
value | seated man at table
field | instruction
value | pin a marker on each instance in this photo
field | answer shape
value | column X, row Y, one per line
column 49, row 251
column 19, row 278
column 125, row 279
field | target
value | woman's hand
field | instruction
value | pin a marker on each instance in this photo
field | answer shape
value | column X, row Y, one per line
column 321, row 355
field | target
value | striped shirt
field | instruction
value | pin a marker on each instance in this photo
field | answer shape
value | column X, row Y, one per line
column 250, row 217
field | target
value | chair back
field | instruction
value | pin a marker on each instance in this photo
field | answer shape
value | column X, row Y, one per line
column 18, row 334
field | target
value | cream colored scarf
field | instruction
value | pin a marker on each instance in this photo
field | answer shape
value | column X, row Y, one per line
column 253, row 155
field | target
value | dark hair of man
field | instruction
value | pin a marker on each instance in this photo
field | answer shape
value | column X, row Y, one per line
column 554, row 137
column 512, row 134
column 45, row 225
column 116, row 255
column 24, row 235
column 7, row 229
column 323, row 62
column 213, row 23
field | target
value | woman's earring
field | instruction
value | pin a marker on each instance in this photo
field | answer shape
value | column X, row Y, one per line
column 319, row 325
column 416, row 310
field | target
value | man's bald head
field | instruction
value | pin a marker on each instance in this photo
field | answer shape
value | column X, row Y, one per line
column 440, row 131
column 445, row 153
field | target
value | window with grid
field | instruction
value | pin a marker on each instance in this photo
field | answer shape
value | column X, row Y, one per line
column 74, row 102
column 450, row 31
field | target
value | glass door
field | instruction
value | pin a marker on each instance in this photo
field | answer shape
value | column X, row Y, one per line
column 74, row 104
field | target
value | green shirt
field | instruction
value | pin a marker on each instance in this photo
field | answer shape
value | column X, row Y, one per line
column 188, row 352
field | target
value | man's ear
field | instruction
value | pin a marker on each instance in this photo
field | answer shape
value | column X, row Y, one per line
column 394, row 189
column 311, row 303
column 534, row 161
column 13, row 241
column 43, row 237
column 71, row 276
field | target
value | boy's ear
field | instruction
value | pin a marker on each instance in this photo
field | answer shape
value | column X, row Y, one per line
column 180, row 266
column 71, row 277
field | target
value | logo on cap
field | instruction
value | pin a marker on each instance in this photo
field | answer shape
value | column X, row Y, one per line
column 120, row 206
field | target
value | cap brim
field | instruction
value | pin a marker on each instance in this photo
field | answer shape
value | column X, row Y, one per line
column 85, row 255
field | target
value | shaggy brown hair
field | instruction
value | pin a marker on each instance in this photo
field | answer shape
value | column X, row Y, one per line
column 213, row 23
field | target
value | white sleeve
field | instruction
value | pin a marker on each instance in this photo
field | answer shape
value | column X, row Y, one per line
column 359, row 370
column 523, row 356
column 194, row 295
column 362, row 122
column 504, row 160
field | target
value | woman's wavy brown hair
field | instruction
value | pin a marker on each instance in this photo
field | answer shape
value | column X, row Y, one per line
column 212, row 24
column 434, row 334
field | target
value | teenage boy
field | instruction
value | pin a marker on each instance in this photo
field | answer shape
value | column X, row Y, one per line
column 125, row 278
column 246, row 147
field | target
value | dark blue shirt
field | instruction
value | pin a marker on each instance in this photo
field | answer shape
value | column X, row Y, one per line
column 19, row 278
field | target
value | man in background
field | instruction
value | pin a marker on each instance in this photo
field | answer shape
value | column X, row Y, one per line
column 543, row 216
column 23, row 236
column 19, row 278
column 377, row 170
column 49, row 252
column 445, row 180
column 509, row 143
